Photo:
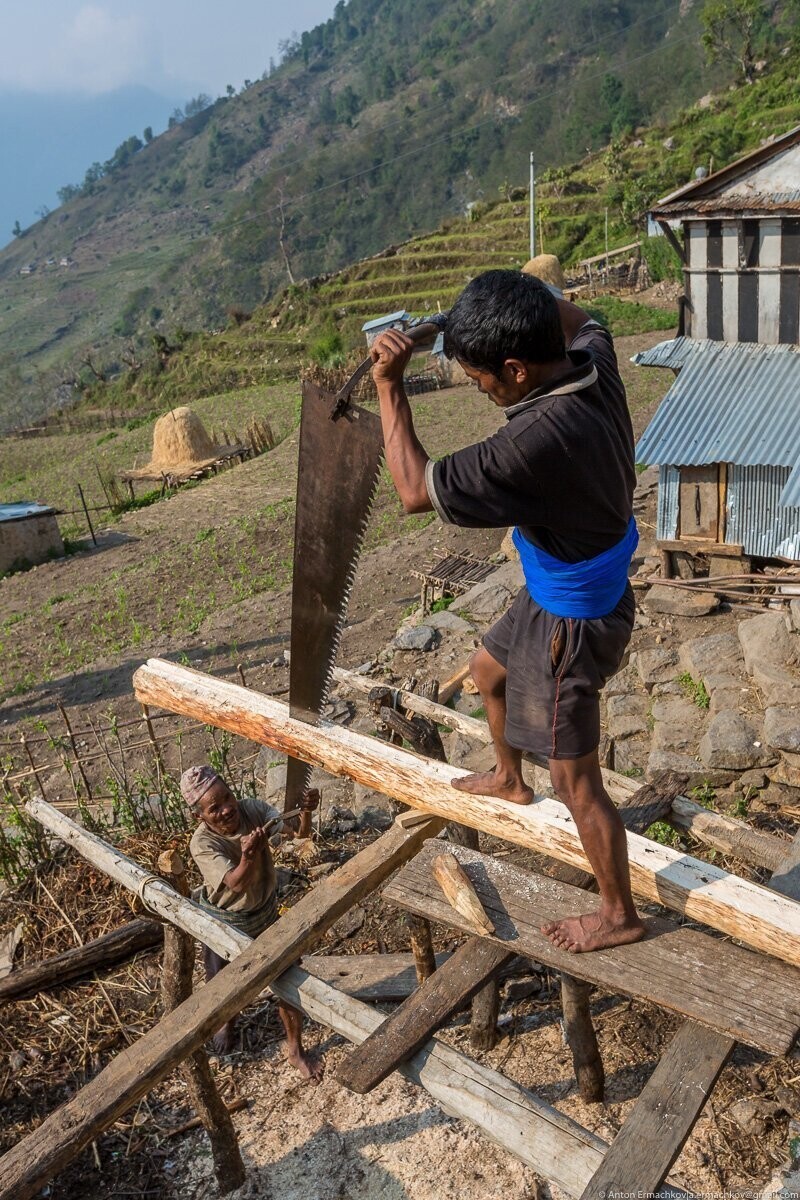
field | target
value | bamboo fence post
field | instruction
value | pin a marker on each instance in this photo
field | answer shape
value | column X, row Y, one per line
column 176, row 986
column 86, row 514
column 29, row 755
column 154, row 743
column 74, row 745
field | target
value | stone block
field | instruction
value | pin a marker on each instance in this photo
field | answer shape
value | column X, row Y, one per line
column 794, row 613
column 787, row 769
column 630, row 755
column 657, row 664
column 449, row 621
column 625, row 681
column 421, row 637
column 679, row 602
column 766, row 638
column 782, row 728
column 673, row 760
column 777, row 685
column 678, row 723
column 626, row 716
column 485, row 600
column 372, row 810
column 732, row 743
column 715, row 653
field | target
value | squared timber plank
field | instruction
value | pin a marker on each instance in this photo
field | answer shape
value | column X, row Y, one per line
column 665, row 1113
column 750, row 997
column 426, row 1010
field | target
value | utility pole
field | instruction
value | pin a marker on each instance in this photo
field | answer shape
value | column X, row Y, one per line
column 533, row 210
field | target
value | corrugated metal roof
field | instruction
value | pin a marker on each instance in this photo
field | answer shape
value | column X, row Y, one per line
column 703, row 189
column 22, row 509
column 738, row 202
column 400, row 315
column 756, row 519
column 732, row 402
column 673, row 353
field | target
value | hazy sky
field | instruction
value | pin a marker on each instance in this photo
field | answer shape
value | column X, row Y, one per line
column 176, row 47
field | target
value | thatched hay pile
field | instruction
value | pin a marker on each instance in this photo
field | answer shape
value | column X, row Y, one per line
column 181, row 446
column 547, row 268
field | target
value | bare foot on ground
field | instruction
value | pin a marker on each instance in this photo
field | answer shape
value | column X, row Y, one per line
column 490, row 783
column 591, row 931
column 310, row 1066
column 223, row 1040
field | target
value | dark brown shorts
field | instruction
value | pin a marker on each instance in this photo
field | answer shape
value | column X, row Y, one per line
column 556, row 668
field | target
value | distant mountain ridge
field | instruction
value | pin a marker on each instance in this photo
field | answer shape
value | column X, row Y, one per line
column 380, row 123
column 49, row 139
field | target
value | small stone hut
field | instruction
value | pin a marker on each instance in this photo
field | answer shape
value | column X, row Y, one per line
column 29, row 534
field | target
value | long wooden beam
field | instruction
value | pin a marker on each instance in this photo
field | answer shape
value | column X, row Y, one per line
column 717, row 830
column 36, row 1158
column 549, row 1142
column 762, row 919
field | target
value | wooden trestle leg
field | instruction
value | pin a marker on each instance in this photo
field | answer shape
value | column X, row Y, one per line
column 424, row 736
column 176, row 986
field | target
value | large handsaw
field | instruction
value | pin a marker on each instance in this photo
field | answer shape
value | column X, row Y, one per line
column 341, row 446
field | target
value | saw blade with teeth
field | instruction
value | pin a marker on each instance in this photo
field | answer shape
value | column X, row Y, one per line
column 341, row 447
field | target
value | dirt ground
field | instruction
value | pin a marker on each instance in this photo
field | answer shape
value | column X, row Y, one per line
column 203, row 578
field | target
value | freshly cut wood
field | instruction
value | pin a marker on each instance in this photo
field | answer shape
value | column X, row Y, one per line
column 100, row 953
column 716, row 830
column 412, row 1024
column 36, row 1158
column 748, row 996
column 451, row 685
column 459, row 891
column 762, row 919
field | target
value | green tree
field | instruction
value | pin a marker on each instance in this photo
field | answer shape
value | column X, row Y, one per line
column 17, row 230
column 148, row 135
column 732, row 30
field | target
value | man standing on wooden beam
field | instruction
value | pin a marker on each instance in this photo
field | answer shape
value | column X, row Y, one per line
column 562, row 471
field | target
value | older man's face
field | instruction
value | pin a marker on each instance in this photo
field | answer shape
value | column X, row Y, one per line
column 219, row 809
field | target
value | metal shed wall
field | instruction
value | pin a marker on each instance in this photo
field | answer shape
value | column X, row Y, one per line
column 755, row 519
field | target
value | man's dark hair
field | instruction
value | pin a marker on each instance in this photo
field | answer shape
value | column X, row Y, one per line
column 500, row 315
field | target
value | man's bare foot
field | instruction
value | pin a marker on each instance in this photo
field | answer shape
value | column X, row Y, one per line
column 593, row 931
column 492, row 783
column 310, row 1066
column 223, row 1040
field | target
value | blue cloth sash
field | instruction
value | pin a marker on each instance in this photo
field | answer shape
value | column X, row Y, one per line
column 584, row 590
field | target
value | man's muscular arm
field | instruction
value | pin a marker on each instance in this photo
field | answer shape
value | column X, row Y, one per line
column 573, row 319
column 405, row 455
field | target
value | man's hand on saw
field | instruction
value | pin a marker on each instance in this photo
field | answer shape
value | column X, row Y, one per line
column 390, row 352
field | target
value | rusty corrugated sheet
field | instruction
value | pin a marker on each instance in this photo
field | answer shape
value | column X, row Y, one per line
column 738, row 202
column 756, row 518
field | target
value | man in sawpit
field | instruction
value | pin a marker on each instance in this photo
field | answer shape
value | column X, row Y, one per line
column 231, row 847
column 560, row 469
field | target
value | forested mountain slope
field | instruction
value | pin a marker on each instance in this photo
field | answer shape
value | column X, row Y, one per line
column 378, row 124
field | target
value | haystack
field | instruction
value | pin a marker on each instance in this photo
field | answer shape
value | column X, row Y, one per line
column 547, row 268
column 181, row 446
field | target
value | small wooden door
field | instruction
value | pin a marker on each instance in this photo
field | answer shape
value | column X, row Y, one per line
column 699, row 502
